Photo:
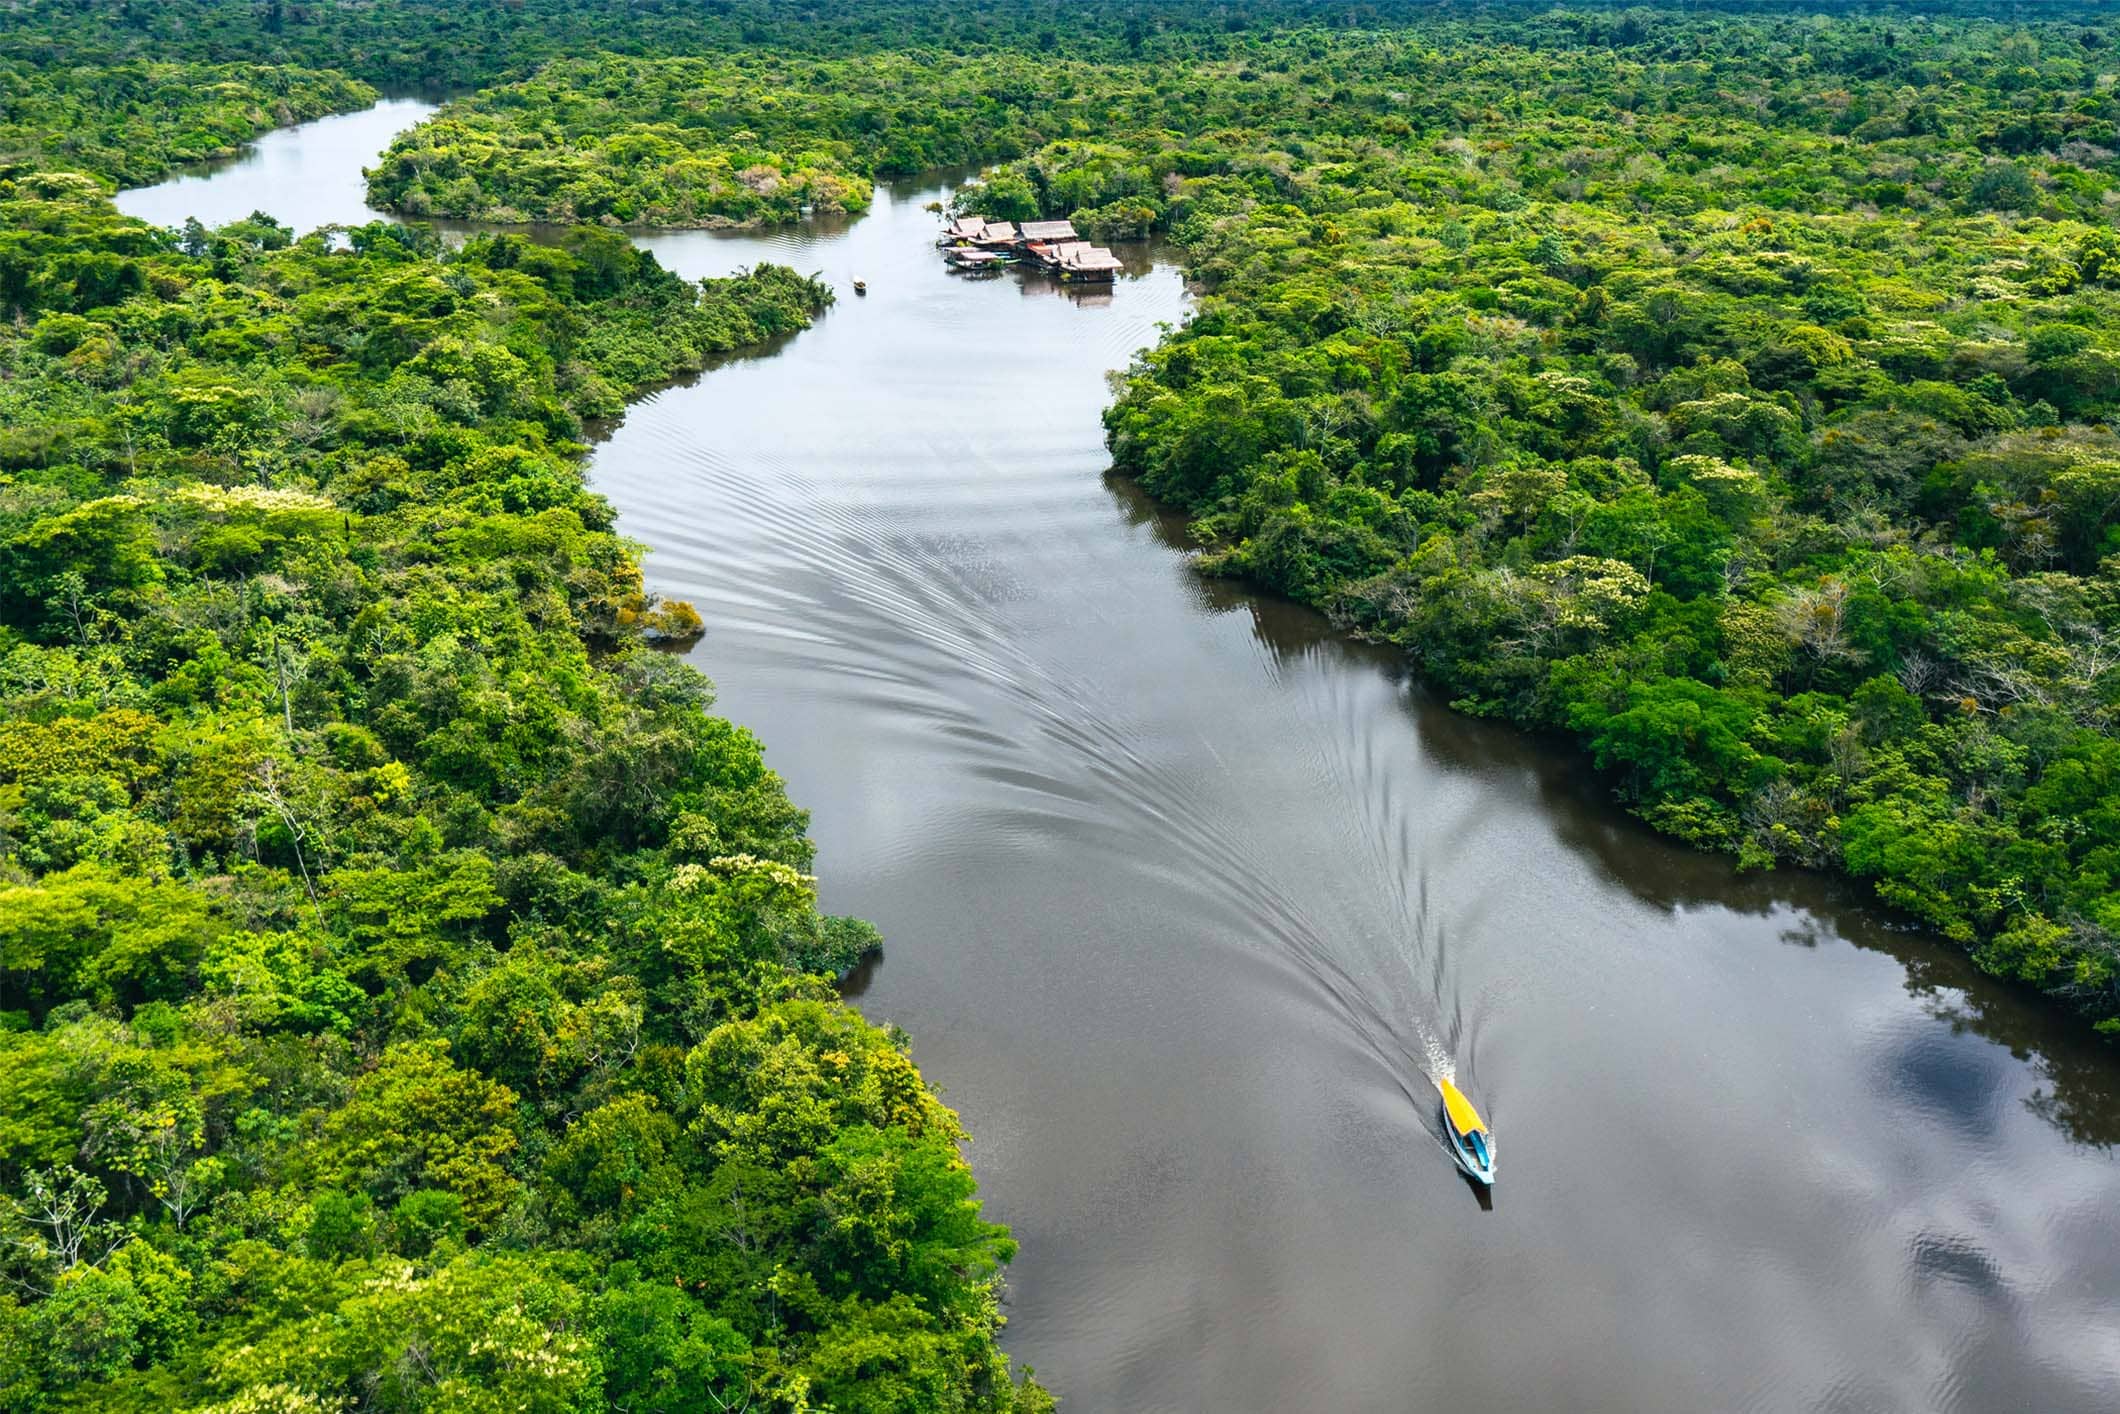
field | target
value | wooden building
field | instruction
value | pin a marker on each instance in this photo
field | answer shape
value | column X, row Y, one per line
column 1053, row 246
column 1073, row 260
column 963, row 230
column 1049, row 231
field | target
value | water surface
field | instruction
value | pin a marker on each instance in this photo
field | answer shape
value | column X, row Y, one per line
column 1185, row 896
column 307, row 176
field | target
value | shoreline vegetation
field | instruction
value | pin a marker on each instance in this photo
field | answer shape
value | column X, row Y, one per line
column 413, row 998
column 133, row 123
column 1732, row 397
column 747, row 140
column 409, row 991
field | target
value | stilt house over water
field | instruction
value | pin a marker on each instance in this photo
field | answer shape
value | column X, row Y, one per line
column 1075, row 260
column 1049, row 231
column 1052, row 246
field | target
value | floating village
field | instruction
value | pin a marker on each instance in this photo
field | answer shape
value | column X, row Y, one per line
column 973, row 243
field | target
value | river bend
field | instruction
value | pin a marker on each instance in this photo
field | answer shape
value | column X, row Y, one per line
column 1184, row 897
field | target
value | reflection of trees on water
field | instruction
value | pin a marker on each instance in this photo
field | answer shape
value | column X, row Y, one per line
column 1138, row 508
column 598, row 430
column 861, row 974
column 1033, row 285
column 2080, row 1095
column 1136, row 259
column 2083, row 1100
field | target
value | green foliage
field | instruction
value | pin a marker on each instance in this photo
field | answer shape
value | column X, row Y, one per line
column 133, row 120
column 99, row 1322
column 411, row 995
column 482, row 1332
column 417, row 1120
column 1826, row 369
column 367, row 876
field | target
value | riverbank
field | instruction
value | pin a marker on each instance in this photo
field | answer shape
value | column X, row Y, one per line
column 1178, row 886
column 1797, row 532
column 391, row 930
column 1185, row 893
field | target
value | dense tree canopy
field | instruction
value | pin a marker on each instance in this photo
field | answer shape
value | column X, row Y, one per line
column 413, row 997
column 134, row 120
column 1730, row 394
column 1746, row 416
column 683, row 142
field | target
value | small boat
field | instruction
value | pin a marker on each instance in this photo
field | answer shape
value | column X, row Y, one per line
column 1471, row 1142
column 861, row 287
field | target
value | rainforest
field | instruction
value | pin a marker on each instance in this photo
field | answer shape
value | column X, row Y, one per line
column 1741, row 414
column 415, row 996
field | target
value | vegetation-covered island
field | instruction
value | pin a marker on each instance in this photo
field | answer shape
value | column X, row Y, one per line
column 412, row 997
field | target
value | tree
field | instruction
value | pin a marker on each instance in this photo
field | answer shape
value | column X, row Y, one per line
column 417, row 1120
column 2002, row 186
column 1676, row 738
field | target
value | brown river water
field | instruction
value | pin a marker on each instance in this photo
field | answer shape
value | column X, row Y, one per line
column 1186, row 898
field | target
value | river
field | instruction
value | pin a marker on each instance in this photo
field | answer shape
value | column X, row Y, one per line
column 1184, row 896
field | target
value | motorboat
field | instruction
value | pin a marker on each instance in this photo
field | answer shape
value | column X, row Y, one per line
column 971, row 258
column 1471, row 1142
column 861, row 287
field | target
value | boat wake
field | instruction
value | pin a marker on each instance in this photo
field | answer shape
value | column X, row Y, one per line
column 962, row 607
column 1441, row 1064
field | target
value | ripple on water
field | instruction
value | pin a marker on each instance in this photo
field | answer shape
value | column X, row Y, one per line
column 1185, row 899
column 1223, row 892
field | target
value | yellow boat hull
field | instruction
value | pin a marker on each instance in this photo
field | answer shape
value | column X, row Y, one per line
column 1471, row 1142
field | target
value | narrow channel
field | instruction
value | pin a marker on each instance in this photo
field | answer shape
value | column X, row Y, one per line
column 1185, row 896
